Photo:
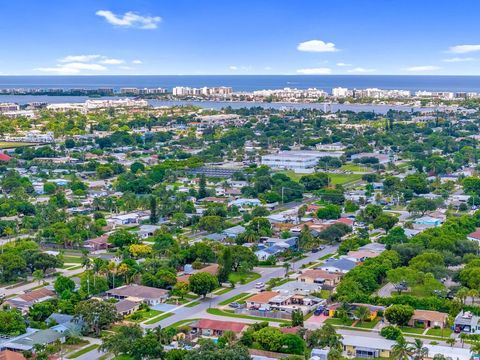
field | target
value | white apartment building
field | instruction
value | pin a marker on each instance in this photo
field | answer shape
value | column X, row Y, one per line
column 205, row 91
column 340, row 92
column 331, row 147
column 5, row 107
column 302, row 162
column 129, row 90
column 98, row 104
column 67, row 107
column 445, row 95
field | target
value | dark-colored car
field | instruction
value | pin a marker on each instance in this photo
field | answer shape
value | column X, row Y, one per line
column 319, row 311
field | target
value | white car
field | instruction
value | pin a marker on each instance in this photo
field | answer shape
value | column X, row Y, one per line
column 260, row 285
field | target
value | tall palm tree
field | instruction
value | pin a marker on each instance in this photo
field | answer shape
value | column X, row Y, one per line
column 473, row 293
column 419, row 351
column 286, row 266
column 462, row 294
column 400, row 350
column 38, row 276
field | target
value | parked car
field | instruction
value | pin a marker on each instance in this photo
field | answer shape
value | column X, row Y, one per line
column 319, row 311
column 234, row 305
column 260, row 285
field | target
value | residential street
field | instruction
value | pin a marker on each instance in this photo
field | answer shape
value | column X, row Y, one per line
column 199, row 311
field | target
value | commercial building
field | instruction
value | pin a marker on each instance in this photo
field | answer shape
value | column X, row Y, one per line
column 302, row 162
column 5, row 107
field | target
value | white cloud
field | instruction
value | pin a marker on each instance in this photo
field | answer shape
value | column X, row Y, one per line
column 424, row 68
column 458, row 59
column 76, row 64
column 316, row 46
column 79, row 58
column 463, row 49
column 233, row 67
column 125, row 67
column 361, row 70
column 341, row 64
column 130, row 19
column 315, row 71
column 72, row 68
column 112, row 61
column 137, row 61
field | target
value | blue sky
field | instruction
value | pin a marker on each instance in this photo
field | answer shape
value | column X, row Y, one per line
column 59, row 37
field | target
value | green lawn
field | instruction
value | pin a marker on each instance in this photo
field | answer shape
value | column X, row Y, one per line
column 440, row 332
column 411, row 330
column 342, row 179
column 83, row 351
column 192, row 304
column 292, row 175
column 158, row 318
column 337, row 321
column 72, row 260
column 219, row 312
column 181, row 323
column 243, row 278
column 355, row 167
column 11, row 145
column 234, row 298
column 223, row 291
column 368, row 324
column 142, row 315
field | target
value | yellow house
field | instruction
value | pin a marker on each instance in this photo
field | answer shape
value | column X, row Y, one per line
column 366, row 347
column 352, row 307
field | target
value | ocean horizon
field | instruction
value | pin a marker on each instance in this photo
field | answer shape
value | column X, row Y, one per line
column 412, row 83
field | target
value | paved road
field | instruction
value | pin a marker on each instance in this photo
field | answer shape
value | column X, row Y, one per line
column 21, row 289
column 199, row 311
column 404, row 215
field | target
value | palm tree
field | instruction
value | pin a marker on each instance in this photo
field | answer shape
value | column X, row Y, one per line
column 419, row 351
column 86, row 262
column 473, row 293
column 335, row 354
column 286, row 266
column 451, row 341
column 462, row 294
column 400, row 350
column 38, row 275
column 362, row 313
column 475, row 348
column 112, row 269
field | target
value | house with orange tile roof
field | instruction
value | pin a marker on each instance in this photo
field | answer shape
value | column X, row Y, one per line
column 261, row 299
column 320, row 277
column 212, row 269
column 208, row 327
column 25, row 301
column 11, row 355
column 428, row 318
column 361, row 255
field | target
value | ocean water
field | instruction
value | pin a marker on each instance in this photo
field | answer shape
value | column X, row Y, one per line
column 250, row 82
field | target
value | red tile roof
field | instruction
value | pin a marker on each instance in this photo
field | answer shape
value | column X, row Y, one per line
column 37, row 295
column 5, row 157
column 220, row 325
column 11, row 355
column 475, row 234
column 345, row 221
